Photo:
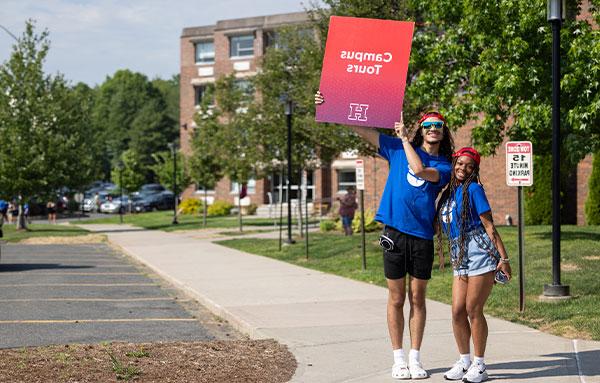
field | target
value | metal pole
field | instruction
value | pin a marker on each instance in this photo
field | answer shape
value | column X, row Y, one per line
column 121, row 185
column 362, row 229
column 556, row 289
column 521, row 254
column 175, row 185
column 281, row 207
column 306, row 220
column 289, row 173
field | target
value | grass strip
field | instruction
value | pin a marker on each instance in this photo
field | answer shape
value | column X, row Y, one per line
column 580, row 258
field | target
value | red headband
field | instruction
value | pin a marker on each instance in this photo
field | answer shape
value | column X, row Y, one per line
column 432, row 114
column 468, row 152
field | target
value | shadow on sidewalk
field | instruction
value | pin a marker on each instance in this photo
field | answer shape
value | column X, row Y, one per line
column 562, row 364
column 16, row 267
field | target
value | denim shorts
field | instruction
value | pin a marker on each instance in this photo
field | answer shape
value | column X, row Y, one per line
column 347, row 220
column 481, row 256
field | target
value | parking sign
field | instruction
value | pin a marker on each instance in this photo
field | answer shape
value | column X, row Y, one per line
column 519, row 164
column 360, row 175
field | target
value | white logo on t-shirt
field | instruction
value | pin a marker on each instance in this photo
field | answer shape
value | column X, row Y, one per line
column 413, row 179
column 446, row 212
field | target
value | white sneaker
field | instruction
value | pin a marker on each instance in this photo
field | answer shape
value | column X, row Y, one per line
column 400, row 371
column 417, row 371
column 477, row 373
column 457, row 372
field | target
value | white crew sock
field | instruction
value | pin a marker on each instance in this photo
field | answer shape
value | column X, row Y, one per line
column 399, row 356
column 414, row 356
column 466, row 359
column 479, row 360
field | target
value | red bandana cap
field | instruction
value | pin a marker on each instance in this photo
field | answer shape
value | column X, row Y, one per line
column 468, row 152
column 432, row 114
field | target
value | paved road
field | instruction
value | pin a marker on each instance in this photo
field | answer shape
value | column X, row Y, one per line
column 55, row 294
column 334, row 326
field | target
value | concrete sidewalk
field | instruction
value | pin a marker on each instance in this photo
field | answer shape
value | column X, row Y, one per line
column 336, row 327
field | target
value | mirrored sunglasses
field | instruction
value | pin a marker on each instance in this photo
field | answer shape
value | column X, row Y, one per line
column 439, row 125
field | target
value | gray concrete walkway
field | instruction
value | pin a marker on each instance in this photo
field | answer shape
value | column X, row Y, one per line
column 336, row 327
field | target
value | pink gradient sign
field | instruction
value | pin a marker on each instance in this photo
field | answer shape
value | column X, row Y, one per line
column 364, row 71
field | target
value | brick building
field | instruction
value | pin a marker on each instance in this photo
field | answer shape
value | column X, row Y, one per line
column 208, row 52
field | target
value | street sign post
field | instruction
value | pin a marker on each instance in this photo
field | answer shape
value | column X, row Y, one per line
column 360, row 185
column 519, row 173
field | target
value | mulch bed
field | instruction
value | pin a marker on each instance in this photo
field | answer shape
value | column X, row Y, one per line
column 216, row 361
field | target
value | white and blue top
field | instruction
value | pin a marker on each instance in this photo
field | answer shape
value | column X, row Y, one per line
column 452, row 208
column 408, row 202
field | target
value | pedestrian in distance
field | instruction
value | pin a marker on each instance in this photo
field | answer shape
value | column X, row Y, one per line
column 3, row 212
column 348, row 207
column 96, row 202
column 12, row 211
column 51, row 210
column 26, row 213
column 478, row 258
column 419, row 169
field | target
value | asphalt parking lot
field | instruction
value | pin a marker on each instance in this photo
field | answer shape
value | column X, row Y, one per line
column 59, row 294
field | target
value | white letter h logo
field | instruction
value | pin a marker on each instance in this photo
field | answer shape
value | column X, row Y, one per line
column 358, row 112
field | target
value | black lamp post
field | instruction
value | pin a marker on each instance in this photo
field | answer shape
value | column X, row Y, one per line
column 289, row 107
column 173, row 147
column 120, row 167
column 556, row 14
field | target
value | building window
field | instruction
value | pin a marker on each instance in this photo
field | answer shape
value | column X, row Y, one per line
column 251, row 185
column 241, row 46
column 245, row 86
column 199, row 91
column 346, row 177
column 205, row 52
column 271, row 39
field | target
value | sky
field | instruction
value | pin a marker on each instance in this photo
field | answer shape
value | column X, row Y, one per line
column 92, row 39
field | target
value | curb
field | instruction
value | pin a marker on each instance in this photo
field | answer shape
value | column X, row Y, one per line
column 218, row 310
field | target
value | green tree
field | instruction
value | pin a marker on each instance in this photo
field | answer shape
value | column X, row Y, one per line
column 204, row 168
column 132, row 113
column 131, row 171
column 43, row 126
column 163, row 168
column 592, row 204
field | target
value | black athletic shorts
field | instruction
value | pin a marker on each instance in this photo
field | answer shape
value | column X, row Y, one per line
column 410, row 254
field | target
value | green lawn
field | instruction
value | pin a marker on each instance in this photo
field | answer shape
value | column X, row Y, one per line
column 580, row 251
column 40, row 230
column 162, row 220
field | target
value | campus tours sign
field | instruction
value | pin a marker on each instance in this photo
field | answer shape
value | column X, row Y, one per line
column 364, row 71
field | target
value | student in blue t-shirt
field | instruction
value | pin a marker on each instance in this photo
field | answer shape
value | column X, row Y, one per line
column 3, row 211
column 477, row 253
column 419, row 169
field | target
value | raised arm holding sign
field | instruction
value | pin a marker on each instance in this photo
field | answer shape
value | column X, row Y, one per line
column 363, row 81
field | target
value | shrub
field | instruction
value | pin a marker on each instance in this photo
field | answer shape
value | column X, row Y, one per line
column 370, row 223
column 251, row 209
column 219, row 208
column 592, row 204
column 327, row 225
column 191, row 206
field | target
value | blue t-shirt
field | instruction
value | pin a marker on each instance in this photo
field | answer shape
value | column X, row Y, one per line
column 452, row 208
column 408, row 202
column 3, row 206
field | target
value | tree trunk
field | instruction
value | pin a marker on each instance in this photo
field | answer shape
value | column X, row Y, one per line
column 300, row 218
column 205, row 207
column 240, row 206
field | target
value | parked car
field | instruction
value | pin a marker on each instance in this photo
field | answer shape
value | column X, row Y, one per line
column 114, row 205
column 88, row 200
column 150, row 189
column 153, row 201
